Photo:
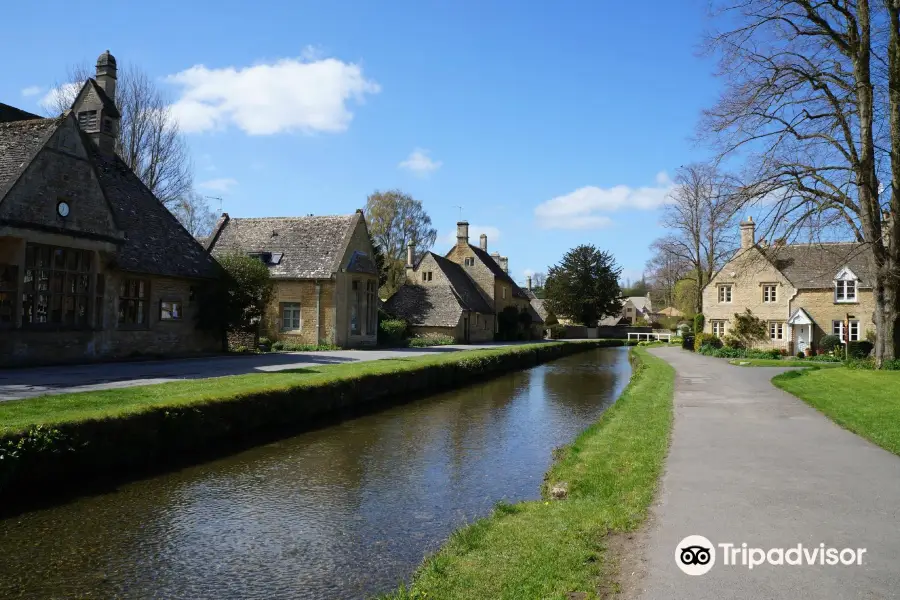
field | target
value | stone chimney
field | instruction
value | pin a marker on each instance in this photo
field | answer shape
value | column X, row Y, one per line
column 504, row 264
column 483, row 241
column 528, row 282
column 748, row 233
column 410, row 259
column 462, row 233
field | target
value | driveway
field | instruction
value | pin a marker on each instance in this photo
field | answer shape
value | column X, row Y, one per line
column 751, row 464
column 26, row 383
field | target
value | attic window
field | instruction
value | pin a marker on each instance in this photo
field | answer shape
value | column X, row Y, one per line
column 845, row 286
column 470, row 261
column 87, row 119
column 426, row 275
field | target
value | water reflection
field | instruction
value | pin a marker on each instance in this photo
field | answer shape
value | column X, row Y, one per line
column 344, row 512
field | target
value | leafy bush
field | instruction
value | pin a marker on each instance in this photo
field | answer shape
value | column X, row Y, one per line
column 870, row 336
column 557, row 332
column 864, row 364
column 826, row 358
column 748, row 328
column 706, row 339
column 699, row 322
column 392, row 331
column 860, row 349
column 278, row 346
column 684, row 329
column 431, row 339
column 800, row 354
column 264, row 341
column 733, row 342
column 240, row 349
column 687, row 342
column 829, row 342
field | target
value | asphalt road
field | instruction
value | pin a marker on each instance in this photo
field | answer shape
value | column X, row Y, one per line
column 26, row 383
column 751, row 464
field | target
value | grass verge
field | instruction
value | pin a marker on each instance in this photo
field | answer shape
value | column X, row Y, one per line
column 548, row 549
column 775, row 362
column 865, row 402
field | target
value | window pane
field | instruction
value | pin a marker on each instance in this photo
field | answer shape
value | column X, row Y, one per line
column 72, row 259
column 6, row 307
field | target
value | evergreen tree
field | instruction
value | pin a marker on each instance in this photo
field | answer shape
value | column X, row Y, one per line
column 584, row 285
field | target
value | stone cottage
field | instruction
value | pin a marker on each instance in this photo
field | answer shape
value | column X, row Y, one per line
column 801, row 291
column 326, row 283
column 486, row 273
column 92, row 265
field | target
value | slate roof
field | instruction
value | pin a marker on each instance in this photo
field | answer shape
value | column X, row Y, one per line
column 498, row 271
column 20, row 142
column 155, row 242
column 108, row 105
column 11, row 113
column 537, row 304
column 640, row 303
column 439, row 304
column 311, row 247
column 814, row 266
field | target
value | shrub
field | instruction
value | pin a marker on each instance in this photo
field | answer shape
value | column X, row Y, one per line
column 800, row 354
column 296, row 347
column 392, row 331
column 865, row 364
column 733, row 342
column 829, row 343
column 706, row 339
column 699, row 322
column 278, row 346
column 870, row 336
column 240, row 349
column 431, row 339
column 264, row 341
column 860, row 349
column 749, row 329
column 826, row 358
column 684, row 329
column 687, row 342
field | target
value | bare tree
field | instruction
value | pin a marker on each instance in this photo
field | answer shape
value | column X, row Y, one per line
column 700, row 215
column 150, row 141
column 538, row 279
column 193, row 211
column 808, row 83
column 664, row 270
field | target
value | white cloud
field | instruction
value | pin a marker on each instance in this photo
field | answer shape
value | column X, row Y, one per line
column 581, row 209
column 306, row 94
column 475, row 231
column 223, row 185
column 32, row 90
column 64, row 94
column 420, row 163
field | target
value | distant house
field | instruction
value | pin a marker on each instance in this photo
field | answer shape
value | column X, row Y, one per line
column 801, row 291
column 326, row 283
column 670, row 311
column 474, row 270
column 536, row 303
column 637, row 307
column 92, row 265
column 439, row 298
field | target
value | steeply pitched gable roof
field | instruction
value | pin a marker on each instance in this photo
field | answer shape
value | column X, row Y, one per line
column 155, row 242
column 108, row 105
column 498, row 271
column 311, row 247
column 11, row 113
column 639, row 302
column 814, row 266
column 20, row 141
column 439, row 304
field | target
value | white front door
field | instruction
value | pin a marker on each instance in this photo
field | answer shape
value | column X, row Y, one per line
column 802, row 335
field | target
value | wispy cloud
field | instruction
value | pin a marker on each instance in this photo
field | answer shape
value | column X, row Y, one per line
column 583, row 208
column 32, row 90
column 59, row 97
column 309, row 94
column 420, row 163
column 223, row 185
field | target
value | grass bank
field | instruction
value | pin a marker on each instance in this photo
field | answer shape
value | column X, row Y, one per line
column 547, row 549
column 51, row 440
column 776, row 362
column 865, row 402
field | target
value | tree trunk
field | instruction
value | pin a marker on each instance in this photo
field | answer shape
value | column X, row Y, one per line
column 888, row 342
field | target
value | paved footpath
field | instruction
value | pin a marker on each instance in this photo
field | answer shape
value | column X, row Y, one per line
column 752, row 464
column 26, row 383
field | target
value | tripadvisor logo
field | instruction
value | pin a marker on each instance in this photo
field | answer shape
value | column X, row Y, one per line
column 696, row 555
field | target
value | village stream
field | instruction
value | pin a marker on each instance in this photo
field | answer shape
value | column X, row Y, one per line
column 348, row 511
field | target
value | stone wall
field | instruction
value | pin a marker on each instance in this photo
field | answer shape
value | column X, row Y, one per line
column 823, row 309
column 309, row 294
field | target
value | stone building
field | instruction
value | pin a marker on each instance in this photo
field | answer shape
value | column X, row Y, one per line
column 326, row 283
column 485, row 273
column 92, row 265
column 801, row 291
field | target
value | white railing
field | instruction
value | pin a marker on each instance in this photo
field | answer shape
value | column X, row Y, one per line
column 651, row 336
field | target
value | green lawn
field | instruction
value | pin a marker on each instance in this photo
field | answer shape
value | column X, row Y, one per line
column 775, row 362
column 545, row 549
column 18, row 415
column 865, row 402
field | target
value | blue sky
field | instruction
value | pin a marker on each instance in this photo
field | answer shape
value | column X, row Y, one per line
column 551, row 124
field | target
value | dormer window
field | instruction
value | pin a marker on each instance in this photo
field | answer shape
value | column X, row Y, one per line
column 87, row 120
column 845, row 286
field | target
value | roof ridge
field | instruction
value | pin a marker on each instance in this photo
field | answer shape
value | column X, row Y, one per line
column 290, row 218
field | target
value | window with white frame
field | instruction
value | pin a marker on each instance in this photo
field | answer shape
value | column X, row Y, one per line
column 770, row 293
column 776, row 330
column 725, row 293
column 290, row 316
column 718, row 328
column 845, row 285
column 839, row 328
